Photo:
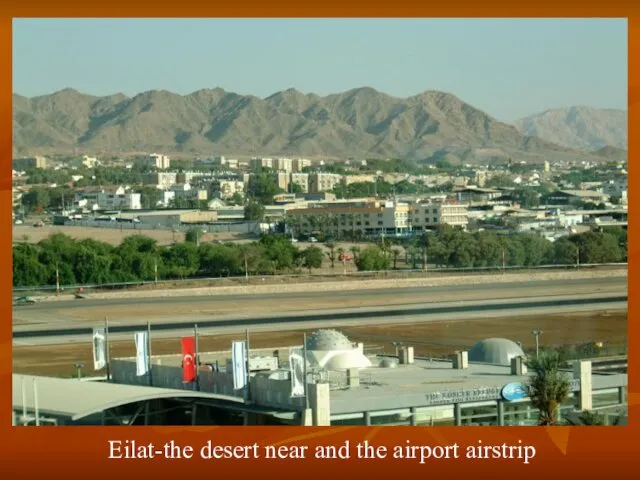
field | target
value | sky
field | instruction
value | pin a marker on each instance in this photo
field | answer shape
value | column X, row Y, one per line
column 509, row 68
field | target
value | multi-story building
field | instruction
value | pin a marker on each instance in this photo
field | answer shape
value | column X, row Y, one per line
column 220, row 161
column 426, row 216
column 299, row 164
column 617, row 188
column 226, row 189
column 282, row 180
column 113, row 198
column 161, row 162
column 323, row 182
column 349, row 179
column 283, row 164
column 258, row 162
column 162, row 180
column 22, row 164
column 358, row 219
column 184, row 191
column 302, row 180
column 89, row 162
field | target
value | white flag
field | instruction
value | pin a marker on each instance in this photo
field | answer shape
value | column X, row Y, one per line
column 142, row 353
column 239, row 361
column 99, row 349
column 296, row 366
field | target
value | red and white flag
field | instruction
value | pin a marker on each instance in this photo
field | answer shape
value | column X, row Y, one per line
column 188, row 359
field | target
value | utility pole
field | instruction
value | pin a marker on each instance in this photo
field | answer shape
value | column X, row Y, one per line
column 537, row 334
column 155, row 272
column 577, row 256
column 246, row 267
column 504, row 263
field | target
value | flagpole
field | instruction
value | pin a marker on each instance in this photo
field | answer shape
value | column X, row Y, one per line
column 248, row 387
column 197, row 359
column 149, row 352
column 106, row 347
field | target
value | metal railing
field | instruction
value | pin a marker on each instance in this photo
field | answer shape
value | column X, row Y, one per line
column 262, row 279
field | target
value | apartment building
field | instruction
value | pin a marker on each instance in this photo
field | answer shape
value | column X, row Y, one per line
column 110, row 198
column 617, row 188
column 226, row 189
column 299, row 164
column 349, row 179
column 282, row 180
column 22, row 164
column 283, row 164
column 426, row 216
column 162, row 180
column 220, row 161
column 363, row 219
column 161, row 162
column 302, row 180
column 323, row 182
column 259, row 162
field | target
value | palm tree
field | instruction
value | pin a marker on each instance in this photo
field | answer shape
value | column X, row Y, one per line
column 550, row 387
column 591, row 419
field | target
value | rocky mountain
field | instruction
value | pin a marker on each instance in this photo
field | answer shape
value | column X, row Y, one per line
column 361, row 123
column 581, row 128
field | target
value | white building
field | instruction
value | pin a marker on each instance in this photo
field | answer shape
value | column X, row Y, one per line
column 221, row 161
column 89, row 162
column 429, row 215
column 162, row 180
column 302, row 180
column 323, row 182
column 299, row 164
column 283, row 164
column 116, row 198
column 258, row 162
column 226, row 189
column 161, row 162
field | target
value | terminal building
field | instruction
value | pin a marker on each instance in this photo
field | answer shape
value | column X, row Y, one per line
column 345, row 385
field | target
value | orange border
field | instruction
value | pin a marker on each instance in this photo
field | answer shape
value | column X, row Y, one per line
column 78, row 453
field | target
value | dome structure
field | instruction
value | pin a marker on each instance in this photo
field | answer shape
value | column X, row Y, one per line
column 332, row 350
column 495, row 351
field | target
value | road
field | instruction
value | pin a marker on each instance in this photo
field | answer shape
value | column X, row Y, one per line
column 69, row 332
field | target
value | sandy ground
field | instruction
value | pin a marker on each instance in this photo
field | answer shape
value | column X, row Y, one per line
column 435, row 339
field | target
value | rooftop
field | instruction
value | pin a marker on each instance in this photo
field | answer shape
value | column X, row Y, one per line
column 75, row 399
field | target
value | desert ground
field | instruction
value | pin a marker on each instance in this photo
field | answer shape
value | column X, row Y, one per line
column 433, row 339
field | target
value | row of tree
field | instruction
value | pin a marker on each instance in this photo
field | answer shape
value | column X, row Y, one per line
column 140, row 258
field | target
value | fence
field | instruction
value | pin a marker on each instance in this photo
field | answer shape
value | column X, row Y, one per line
column 267, row 279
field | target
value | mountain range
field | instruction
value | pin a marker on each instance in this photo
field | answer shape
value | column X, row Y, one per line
column 583, row 128
column 361, row 123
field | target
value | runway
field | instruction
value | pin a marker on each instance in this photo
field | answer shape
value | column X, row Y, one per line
column 435, row 311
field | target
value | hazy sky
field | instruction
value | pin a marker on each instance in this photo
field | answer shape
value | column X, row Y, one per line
column 509, row 68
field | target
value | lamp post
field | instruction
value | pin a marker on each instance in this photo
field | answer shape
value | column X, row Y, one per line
column 537, row 334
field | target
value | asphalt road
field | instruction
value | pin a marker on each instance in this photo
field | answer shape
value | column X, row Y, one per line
column 438, row 311
column 492, row 290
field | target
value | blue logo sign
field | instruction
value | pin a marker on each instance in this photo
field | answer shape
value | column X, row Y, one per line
column 514, row 391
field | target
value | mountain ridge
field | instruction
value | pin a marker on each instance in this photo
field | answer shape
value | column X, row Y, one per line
column 360, row 122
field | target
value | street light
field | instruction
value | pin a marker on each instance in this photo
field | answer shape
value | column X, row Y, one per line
column 537, row 334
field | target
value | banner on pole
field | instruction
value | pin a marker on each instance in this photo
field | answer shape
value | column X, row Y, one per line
column 188, row 359
column 99, row 348
column 296, row 367
column 142, row 353
column 239, row 360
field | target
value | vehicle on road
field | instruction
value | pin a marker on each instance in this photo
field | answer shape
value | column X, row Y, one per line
column 24, row 301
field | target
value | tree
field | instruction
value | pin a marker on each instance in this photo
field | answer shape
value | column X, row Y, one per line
column 332, row 253
column 312, row 258
column 372, row 259
column 193, row 236
column 550, row 386
column 591, row 419
column 254, row 211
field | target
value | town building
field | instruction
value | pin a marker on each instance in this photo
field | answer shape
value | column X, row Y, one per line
column 426, row 216
column 343, row 384
column 301, row 180
column 22, row 164
column 223, row 162
column 107, row 198
column 162, row 180
column 159, row 161
column 257, row 163
column 323, row 182
column 226, row 189
column 573, row 197
column 299, row 164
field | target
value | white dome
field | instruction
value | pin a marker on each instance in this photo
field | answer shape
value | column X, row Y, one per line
column 325, row 340
column 332, row 350
column 495, row 351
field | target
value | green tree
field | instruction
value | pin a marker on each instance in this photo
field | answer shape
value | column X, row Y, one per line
column 254, row 212
column 312, row 258
column 372, row 259
column 550, row 386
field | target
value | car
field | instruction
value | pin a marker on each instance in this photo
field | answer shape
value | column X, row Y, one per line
column 25, row 301
column 313, row 239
